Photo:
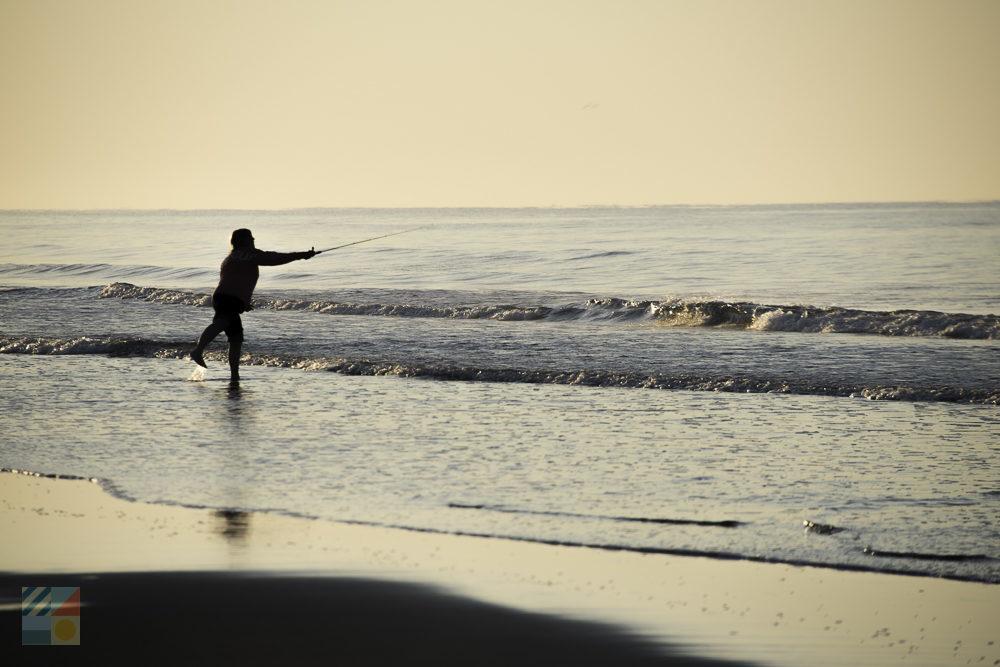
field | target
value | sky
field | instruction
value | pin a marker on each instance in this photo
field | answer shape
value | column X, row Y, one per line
column 307, row 103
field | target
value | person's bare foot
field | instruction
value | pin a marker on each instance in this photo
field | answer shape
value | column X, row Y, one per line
column 198, row 359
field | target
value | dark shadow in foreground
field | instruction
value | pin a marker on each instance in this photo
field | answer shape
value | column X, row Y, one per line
column 219, row 618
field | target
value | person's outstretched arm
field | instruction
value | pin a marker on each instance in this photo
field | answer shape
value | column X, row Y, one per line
column 269, row 258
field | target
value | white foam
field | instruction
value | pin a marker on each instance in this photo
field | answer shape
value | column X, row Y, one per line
column 760, row 317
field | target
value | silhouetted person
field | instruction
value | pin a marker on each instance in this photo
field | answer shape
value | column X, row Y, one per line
column 237, row 279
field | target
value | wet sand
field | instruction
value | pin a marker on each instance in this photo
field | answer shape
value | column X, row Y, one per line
column 164, row 585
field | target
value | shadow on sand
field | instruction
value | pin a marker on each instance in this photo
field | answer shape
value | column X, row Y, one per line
column 220, row 618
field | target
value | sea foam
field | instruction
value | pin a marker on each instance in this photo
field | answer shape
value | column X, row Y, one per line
column 123, row 347
column 743, row 315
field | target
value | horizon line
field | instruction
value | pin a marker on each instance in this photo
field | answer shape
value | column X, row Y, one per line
column 929, row 202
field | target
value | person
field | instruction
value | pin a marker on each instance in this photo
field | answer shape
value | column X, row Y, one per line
column 237, row 279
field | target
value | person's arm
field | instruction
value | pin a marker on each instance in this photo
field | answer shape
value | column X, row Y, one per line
column 269, row 258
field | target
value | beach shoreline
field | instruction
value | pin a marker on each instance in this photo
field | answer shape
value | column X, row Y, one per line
column 724, row 610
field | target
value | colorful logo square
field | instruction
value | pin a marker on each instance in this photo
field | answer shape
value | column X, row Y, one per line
column 50, row 616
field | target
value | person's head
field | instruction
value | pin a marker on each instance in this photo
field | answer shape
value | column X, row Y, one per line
column 241, row 238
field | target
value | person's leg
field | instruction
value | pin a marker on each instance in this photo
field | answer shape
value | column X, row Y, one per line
column 235, row 334
column 207, row 336
column 235, row 347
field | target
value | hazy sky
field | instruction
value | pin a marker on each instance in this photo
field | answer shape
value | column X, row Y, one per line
column 274, row 104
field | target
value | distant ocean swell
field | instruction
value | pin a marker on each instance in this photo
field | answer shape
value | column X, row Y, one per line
column 136, row 347
column 759, row 317
column 106, row 271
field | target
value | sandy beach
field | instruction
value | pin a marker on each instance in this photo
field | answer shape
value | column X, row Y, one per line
column 197, row 585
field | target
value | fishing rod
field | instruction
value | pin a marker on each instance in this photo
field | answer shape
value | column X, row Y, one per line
column 374, row 238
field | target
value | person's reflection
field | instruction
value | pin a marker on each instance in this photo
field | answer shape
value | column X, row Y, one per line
column 237, row 406
column 234, row 525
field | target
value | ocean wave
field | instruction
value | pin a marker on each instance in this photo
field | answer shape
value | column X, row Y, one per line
column 743, row 315
column 125, row 347
column 725, row 523
column 104, row 271
column 494, row 312
column 600, row 255
column 916, row 555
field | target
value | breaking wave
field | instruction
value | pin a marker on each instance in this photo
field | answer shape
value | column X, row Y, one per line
column 137, row 347
column 744, row 315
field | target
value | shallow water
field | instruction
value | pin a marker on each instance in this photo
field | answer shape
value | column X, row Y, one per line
column 538, row 374
column 549, row 463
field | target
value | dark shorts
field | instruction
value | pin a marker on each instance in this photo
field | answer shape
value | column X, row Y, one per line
column 227, row 315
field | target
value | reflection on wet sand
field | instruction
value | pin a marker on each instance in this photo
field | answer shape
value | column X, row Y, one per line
column 233, row 525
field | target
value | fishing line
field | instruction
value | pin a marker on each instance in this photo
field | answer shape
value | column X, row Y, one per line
column 374, row 238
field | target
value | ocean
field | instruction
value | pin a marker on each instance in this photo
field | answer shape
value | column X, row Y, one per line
column 814, row 384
